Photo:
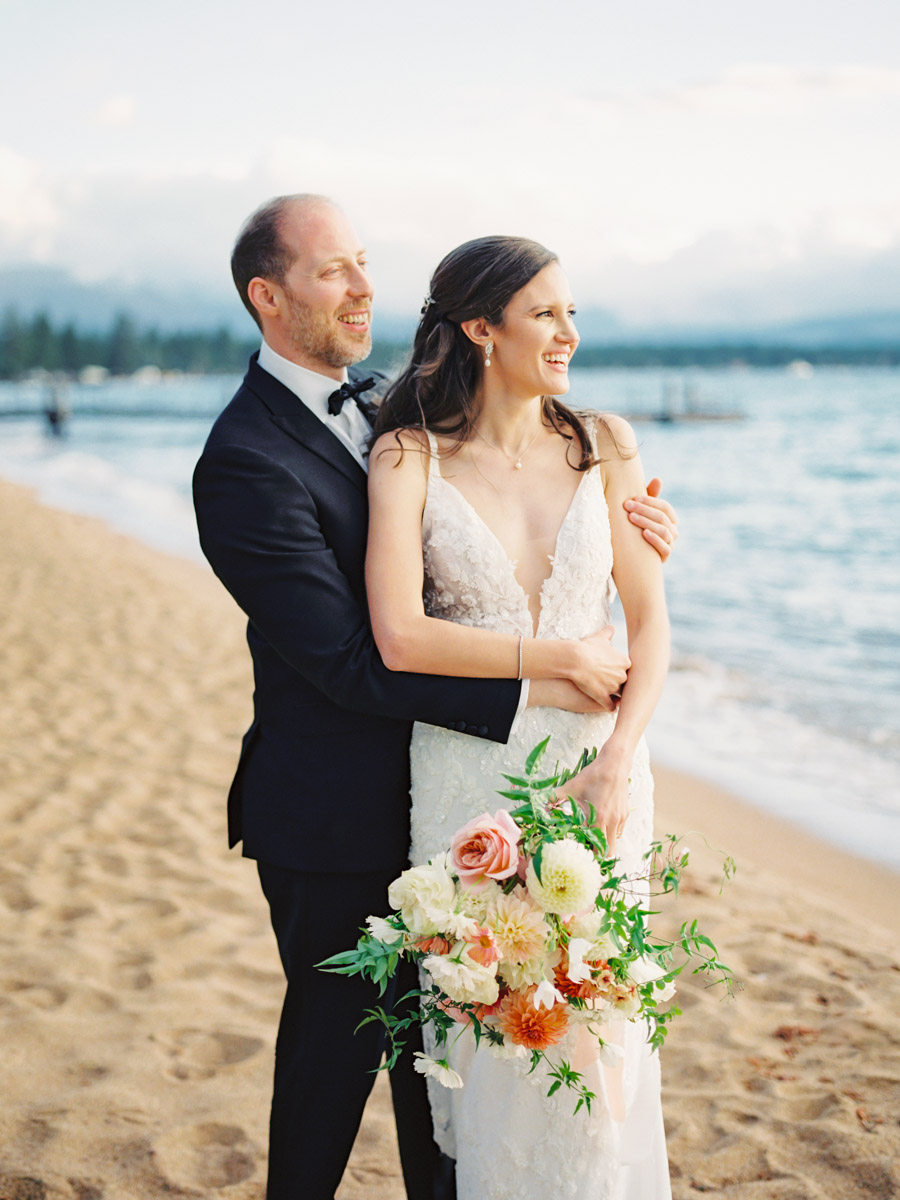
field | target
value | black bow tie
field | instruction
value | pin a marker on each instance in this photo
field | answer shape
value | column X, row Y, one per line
column 351, row 391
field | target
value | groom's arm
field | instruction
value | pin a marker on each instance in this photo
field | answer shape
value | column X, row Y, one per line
column 260, row 532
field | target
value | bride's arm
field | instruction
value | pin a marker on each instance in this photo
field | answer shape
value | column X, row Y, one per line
column 408, row 639
column 637, row 573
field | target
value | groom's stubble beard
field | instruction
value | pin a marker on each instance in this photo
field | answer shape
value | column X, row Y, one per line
column 314, row 335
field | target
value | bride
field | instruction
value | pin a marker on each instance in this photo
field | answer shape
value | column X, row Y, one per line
column 497, row 530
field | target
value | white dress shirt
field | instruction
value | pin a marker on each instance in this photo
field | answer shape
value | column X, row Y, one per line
column 349, row 426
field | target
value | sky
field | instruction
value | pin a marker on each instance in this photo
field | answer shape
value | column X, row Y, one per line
column 689, row 162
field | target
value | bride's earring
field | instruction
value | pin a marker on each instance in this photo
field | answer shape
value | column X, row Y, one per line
column 488, row 351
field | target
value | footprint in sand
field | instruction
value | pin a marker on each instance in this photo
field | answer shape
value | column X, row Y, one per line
column 197, row 1054
column 205, row 1156
column 21, row 1187
column 38, row 995
column 85, row 1191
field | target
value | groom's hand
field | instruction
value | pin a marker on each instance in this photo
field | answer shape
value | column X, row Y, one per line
column 656, row 519
column 560, row 693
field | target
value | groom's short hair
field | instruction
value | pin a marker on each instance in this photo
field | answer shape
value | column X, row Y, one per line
column 259, row 250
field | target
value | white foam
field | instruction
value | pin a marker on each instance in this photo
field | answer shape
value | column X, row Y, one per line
column 709, row 724
column 157, row 515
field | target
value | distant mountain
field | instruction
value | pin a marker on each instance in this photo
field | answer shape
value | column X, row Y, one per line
column 92, row 307
column 848, row 329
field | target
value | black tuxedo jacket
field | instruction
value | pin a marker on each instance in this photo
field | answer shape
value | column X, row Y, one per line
column 323, row 778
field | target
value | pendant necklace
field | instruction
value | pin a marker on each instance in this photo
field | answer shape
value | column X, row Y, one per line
column 516, row 459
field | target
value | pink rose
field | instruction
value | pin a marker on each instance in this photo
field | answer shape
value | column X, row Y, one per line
column 486, row 848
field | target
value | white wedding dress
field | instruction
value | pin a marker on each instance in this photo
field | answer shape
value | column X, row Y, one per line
column 510, row 1141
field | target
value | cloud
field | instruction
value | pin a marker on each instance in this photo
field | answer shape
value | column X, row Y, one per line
column 29, row 211
column 658, row 200
column 117, row 112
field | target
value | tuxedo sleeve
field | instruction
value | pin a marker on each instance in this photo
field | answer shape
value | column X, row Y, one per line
column 260, row 532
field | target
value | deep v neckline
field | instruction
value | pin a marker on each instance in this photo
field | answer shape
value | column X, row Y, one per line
column 435, row 472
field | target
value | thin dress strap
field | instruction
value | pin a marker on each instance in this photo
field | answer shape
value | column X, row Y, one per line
column 433, row 461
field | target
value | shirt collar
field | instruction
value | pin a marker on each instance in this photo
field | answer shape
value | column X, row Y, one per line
column 309, row 386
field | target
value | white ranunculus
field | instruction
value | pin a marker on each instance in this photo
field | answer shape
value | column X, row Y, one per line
column 586, row 925
column 570, row 878
column 661, row 995
column 382, row 930
column 461, row 978
column 437, row 1068
column 478, row 902
column 603, row 948
column 425, row 897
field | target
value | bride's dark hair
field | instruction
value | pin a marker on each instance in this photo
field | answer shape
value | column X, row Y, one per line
column 437, row 388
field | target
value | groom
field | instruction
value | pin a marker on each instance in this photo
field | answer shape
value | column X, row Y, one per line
column 320, row 798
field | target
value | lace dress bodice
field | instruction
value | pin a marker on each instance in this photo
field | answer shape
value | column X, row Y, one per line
column 470, row 579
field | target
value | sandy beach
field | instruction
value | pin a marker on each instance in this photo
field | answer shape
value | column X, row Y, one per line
column 139, row 981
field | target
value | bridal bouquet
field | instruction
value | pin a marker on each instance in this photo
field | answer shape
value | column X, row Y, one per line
column 525, row 929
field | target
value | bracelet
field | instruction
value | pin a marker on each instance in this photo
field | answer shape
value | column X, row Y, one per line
column 519, row 676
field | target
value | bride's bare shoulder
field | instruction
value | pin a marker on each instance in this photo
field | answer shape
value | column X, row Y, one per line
column 613, row 435
column 398, row 447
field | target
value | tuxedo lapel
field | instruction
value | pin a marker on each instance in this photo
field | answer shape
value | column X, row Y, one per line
column 291, row 414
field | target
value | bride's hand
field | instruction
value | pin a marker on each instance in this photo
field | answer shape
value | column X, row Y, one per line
column 601, row 670
column 603, row 784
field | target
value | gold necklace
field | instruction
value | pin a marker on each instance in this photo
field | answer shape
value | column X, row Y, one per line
column 517, row 464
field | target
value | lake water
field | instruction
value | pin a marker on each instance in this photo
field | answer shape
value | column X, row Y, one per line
column 784, row 589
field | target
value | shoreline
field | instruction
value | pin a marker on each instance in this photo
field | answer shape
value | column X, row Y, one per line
column 767, row 844
column 708, row 723
column 139, row 980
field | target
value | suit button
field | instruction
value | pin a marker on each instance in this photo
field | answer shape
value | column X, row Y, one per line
column 482, row 730
column 458, row 726
column 471, row 729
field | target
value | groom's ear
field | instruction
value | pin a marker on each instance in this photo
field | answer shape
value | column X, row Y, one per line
column 262, row 295
column 477, row 330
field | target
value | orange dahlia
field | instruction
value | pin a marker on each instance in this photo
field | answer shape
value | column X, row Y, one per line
column 533, row 1028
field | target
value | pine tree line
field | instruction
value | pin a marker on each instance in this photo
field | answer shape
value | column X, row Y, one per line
column 36, row 343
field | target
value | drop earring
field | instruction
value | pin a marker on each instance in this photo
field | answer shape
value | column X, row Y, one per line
column 488, row 351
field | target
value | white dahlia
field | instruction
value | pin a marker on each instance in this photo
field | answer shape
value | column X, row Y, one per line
column 570, row 878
